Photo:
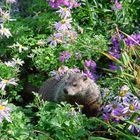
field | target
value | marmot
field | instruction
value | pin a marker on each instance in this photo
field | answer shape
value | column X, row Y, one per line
column 73, row 88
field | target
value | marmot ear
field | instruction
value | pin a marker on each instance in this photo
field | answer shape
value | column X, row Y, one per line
column 84, row 77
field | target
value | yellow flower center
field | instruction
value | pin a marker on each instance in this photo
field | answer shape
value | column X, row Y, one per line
column 63, row 21
column 123, row 93
column 6, row 17
column 2, row 107
column 18, row 62
column 54, row 38
column 81, row 106
column 6, row 81
column 72, row 109
column 65, row 9
column 20, row 46
column 3, row 30
column 131, row 107
column 114, row 106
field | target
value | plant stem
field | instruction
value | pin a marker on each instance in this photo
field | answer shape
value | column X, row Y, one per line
column 131, row 119
column 89, row 12
column 111, row 71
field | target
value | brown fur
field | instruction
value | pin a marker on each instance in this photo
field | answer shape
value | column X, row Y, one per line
column 73, row 87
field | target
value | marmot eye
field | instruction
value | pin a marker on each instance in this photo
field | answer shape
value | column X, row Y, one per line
column 84, row 78
column 74, row 84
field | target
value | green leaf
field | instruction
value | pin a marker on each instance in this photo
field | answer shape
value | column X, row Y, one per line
column 98, row 138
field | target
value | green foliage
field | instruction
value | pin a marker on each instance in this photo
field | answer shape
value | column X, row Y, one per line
column 7, row 72
column 19, row 129
column 87, row 44
column 45, row 58
column 90, row 43
column 57, row 121
column 33, row 7
column 35, row 23
column 102, row 15
column 61, row 121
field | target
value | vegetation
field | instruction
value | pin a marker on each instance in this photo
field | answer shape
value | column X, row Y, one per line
column 40, row 39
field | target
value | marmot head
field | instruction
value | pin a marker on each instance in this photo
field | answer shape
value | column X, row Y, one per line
column 76, row 84
column 82, row 90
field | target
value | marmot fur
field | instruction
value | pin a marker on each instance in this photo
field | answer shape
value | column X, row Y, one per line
column 73, row 88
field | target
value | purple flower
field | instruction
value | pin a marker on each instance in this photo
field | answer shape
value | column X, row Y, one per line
column 124, row 89
column 78, row 55
column 64, row 55
column 71, row 34
column 121, row 108
column 112, row 66
column 90, row 75
column 64, row 12
column 106, row 117
column 63, row 25
column 77, row 70
column 124, row 96
column 73, row 4
column 136, row 102
column 55, row 39
column 130, row 40
column 55, row 3
column 134, row 129
column 116, row 112
column 69, row 3
column 115, row 51
column 90, row 63
column 116, row 115
column 118, row 5
column 129, row 108
column 115, row 41
column 61, row 71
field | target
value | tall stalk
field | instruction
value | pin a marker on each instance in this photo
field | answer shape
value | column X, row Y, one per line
column 89, row 13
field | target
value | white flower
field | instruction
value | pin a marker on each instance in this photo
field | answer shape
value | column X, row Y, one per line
column 14, row 62
column 129, row 108
column 124, row 88
column 80, row 29
column 10, row 63
column 19, row 46
column 10, row 1
column 6, row 82
column 41, row 42
column 30, row 55
column 5, row 16
column 64, row 12
column 5, row 111
column 5, row 31
column 0, row 12
column 53, row 73
column 18, row 61
column 124, row 94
